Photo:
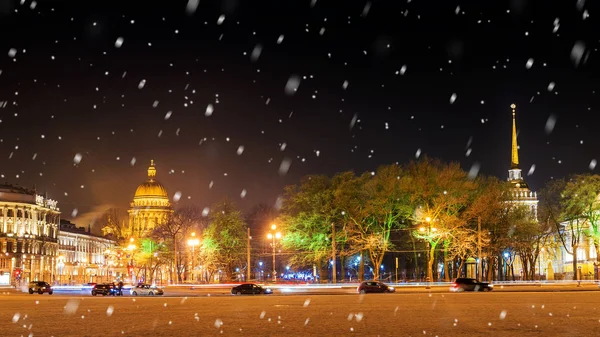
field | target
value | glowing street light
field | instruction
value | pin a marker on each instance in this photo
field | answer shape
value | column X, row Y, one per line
column 273, row 236
column 132, row 247
column 193, row 242
column 429, row 232
column 60, row 265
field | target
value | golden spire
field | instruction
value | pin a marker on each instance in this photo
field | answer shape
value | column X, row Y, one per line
column 515, row 148
column 151, row 170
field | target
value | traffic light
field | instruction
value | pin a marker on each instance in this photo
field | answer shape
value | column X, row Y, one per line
column 17, row 273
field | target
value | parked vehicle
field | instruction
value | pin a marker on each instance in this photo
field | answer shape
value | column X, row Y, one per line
column 250, row 288
column 470, row 284
column 374, row 287
column 104, row 289
column 144, row 289
column 40, row 287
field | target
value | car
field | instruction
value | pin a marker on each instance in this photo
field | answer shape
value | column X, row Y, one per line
column 144, row 289
column 104, row 289
column 470, row 284
column 374, row 287
column 40, row 287
column 251, row 289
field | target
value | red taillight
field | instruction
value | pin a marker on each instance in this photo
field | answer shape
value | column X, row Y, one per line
column 454, row 285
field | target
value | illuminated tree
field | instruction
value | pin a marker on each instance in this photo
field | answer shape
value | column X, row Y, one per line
column 224, row 240
column 439, row 193
column 112, row 224
column 581, row 197
column 526, row 237
column 569, row 227
column 149, row 257
column 172, row 234
column 308, row 212
column 375, row 205
column 487, row 215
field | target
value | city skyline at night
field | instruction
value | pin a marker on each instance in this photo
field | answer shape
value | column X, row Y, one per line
column 237, row 100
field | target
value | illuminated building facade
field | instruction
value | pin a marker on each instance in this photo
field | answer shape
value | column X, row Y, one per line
column 84, row 257
column 29, row 226
column 150, row 206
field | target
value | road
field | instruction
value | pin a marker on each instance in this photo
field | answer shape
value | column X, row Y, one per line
column 573, row 313
column 335, row 289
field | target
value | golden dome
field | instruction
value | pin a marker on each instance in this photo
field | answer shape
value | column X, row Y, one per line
column 151, row 188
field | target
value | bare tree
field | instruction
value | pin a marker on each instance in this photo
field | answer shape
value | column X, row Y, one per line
column 172, row 234
column 112, row 224
column 569, row 226
column 581, row 201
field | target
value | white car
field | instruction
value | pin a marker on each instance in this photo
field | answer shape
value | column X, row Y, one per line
column 144, row 289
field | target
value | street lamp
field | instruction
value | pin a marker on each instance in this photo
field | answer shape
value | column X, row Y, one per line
column 272, row 236
column 540, row 263
column 506, row 261
column 132, row 249
column 107, row 253
column 193, row 242
column 60, row 265
column 429, row 232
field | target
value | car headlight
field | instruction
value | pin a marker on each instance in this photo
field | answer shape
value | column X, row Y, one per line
column 391, row 288
column 490, row 285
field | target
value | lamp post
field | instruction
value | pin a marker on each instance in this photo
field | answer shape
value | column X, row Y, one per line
column 131, row 248
column 540, row 264
column 107, row 253
column 60, row 265
column 273, row 235
column 429, row 231
column 506, row 259
column 193, row 242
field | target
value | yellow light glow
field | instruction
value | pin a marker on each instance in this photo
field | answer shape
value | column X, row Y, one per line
column 421, row 229
column 270, row 236
column 273, row 226
column 277, row 235
column 428, row 219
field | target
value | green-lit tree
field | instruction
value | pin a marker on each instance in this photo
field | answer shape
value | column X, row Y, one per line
column 224, row 240
column 375, row 205
column 307, row 215
column 150, row 256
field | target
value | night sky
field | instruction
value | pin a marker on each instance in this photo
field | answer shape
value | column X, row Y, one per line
column 206, row 89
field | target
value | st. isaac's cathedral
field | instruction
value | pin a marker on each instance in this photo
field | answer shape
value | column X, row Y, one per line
column 150, row 206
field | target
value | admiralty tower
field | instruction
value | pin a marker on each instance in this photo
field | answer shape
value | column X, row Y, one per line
column 520, row 191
